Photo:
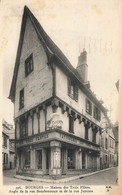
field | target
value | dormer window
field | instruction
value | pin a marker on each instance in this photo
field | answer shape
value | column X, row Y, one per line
column 28, row 65
column 72, row 90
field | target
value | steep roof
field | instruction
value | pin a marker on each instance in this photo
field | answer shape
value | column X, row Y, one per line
column 51, row 49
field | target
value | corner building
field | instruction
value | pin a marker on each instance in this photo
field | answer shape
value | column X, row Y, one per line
column 57, row 117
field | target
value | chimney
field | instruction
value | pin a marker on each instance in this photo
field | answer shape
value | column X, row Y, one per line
column 82, row 66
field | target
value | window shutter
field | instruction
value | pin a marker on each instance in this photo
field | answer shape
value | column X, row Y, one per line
column 76, row 92
column 69, row 86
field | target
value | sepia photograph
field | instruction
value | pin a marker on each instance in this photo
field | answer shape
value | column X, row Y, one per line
column 61, row 85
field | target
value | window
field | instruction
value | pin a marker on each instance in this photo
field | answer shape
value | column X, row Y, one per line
column 21, row 99
column 94, row 136
column 27, row 159
column 28, row 65
column 110, row 143
column 71, row 124
column 106, row 143
column 97, row 114
column 5, row 158
column 102, row 141
column 71, row 159
column 23, row 127
column 72, row 90
column 86, row 132
column 88, row 107
column 39, row 157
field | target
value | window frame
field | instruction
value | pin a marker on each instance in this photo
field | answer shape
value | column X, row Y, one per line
column 29, row 65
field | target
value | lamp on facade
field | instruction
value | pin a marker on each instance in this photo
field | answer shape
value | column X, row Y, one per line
column 108, row 126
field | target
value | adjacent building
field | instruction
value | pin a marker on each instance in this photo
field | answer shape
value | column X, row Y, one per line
column 58, row 119
column 8, row 146
column 115, row 132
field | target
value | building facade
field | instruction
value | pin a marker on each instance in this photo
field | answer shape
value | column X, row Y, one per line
column 115, row 132
column 8, row 146
column 58, row 120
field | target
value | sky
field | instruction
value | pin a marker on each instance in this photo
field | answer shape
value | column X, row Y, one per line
column 72, row 25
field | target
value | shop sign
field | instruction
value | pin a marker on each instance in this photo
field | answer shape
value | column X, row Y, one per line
column 33, row 139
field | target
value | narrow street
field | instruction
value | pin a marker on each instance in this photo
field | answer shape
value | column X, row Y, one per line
column 107, row 177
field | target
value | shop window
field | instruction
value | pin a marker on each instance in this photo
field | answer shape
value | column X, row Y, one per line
column 28, row 65
column 39, row 159
column 21, row 99
column 71, row 159
column 97, row 113
column 72, row 90
column 88, row 107
column 71, row 124
column 27, row 159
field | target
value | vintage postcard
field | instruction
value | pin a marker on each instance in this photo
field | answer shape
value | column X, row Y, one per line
column 61, row 77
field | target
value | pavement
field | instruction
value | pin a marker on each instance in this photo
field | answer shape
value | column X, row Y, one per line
column 62, row 180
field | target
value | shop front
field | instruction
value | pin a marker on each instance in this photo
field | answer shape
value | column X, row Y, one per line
column 55, row 153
